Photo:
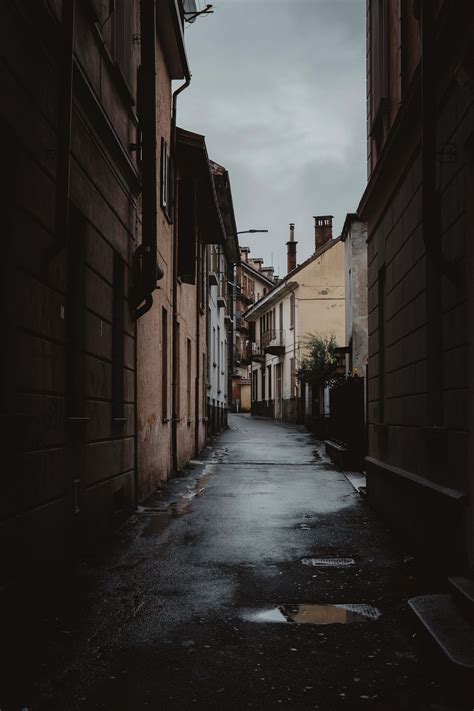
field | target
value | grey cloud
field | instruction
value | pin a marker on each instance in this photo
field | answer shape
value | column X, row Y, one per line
column 278, row 90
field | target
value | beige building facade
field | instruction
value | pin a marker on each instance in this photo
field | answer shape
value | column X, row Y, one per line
column 310, row 300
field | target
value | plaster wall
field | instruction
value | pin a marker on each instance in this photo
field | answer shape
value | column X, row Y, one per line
column 188, row 372
column 319, row 308
column 217, row 383
column 320, row 297
column 356, row 296
column 154, row 430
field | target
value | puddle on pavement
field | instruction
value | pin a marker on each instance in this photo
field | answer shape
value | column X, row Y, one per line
column 160, row 520
column 316, row 614
column 328, row 562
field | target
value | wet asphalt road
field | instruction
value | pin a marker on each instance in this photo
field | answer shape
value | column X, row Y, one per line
column 169, row 616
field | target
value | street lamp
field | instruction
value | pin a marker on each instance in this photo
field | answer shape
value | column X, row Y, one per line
column 244, row 232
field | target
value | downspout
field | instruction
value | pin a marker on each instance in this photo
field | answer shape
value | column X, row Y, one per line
column 174, row 294
column 294, row 389
column 231, row 279
column 431, row 216
column 198, row 344
column 61, row 218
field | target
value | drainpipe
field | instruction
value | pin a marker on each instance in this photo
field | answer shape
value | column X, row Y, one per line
column 174, row 294
column 146, row 269
column 198, row 346
column 294, row 390
column 64, row 125
column 431, row 216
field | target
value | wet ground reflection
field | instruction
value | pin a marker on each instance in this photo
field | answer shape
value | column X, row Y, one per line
column 161, row 519
column 316, row 614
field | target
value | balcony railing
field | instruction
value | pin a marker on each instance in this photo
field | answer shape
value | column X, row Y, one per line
column 255, row 351
column 273, row 340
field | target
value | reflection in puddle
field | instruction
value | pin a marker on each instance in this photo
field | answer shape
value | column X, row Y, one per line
column 160, row 520
column 316, row 614
column 328, row 562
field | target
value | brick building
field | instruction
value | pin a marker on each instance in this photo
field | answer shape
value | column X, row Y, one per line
column 418, row 205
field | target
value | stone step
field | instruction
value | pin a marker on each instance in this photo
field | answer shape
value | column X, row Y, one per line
column 462, row 591
column 451, row 631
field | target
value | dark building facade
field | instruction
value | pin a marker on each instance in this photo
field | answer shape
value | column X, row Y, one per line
column 78, row 95
column 418, row 206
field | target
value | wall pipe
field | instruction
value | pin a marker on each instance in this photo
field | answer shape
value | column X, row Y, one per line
column 431, row 215
column 197, row 383
column 174, row 294
column 61, row 218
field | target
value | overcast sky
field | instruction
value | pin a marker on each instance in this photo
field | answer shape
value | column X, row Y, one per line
column 278, row 89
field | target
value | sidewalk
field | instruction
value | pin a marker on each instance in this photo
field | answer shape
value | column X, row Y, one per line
column 209, row 595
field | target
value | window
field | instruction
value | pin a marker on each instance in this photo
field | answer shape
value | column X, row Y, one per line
column 178, row 370
column 254, row 385
column 292, row 311
column 203, row 277
column 219, row 345
column 118, row 300
column 188, row 377
column 379, row 51
column 292, row 377
column 281, row 316
column 164, row 364
column 269, row 379
column 165, row 178
column 379, row 66
column 123, row 37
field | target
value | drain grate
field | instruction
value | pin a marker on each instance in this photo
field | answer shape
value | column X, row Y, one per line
column 328, row 562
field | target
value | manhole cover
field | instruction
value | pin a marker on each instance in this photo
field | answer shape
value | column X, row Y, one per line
column 328, row 562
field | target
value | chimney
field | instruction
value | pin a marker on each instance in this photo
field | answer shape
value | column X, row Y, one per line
column 244, row 253
column 291, row 249
column 322, row 230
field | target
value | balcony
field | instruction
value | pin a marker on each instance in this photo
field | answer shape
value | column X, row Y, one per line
column 273, row 342
column 256, row 352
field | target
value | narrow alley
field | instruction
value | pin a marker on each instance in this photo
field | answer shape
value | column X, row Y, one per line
column 212, row 596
